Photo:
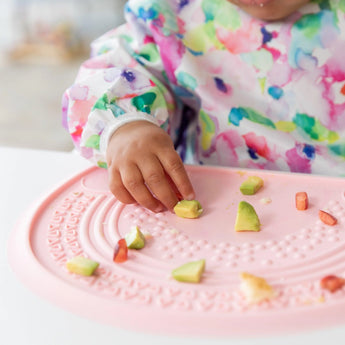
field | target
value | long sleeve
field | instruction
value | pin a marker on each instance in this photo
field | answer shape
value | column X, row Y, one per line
column 230, row 89
column 123, row 81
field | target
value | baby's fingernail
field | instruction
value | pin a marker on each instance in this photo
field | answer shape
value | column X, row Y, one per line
column 190, row 197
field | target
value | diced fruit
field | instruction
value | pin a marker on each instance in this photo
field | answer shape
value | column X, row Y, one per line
column 246, row 219
column 251, row 185
column 266, row 200
column 135, row 239
column 301, row 199
column 120, row 251
column 327, row 218
column 190, row 272
column 255, row 289
column 82, row 266
column 147, row 235
column 332, row 283
column 188, row 209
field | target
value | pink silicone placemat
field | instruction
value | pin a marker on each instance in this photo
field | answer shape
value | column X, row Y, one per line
column 293, row 251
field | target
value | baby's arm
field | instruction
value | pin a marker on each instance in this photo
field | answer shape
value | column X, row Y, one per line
column 115, row 112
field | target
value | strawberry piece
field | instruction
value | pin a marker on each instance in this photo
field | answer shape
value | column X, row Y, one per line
column 332, row 283
column 301, row 199
column 327, row 218
column 120, row 251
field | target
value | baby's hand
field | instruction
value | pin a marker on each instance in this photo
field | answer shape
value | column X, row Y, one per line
column 141, row 158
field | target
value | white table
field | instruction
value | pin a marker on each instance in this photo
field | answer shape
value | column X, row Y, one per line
column 27, row 319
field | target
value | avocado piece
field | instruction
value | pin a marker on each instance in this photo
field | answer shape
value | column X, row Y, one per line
column 251, row 185
column 246, row 219
column 81, row 265
column 188, row 209
column 190, row 272
column 135, row 238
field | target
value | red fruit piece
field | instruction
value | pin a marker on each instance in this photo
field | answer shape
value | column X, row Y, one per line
column 301, row 199
column 332, row 283
column 327, row 218
column 120, row 251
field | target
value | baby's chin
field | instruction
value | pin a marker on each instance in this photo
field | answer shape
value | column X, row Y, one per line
column 269, row 10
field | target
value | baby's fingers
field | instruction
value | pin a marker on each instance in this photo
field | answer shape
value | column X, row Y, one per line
column 174, row 167
column 157, row 181
column 118, row 189
column 134, row 183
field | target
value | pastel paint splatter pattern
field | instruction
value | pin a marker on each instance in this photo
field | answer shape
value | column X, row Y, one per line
column 264, row 95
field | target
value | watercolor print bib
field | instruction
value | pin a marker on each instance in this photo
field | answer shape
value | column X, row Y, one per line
column 231, row 90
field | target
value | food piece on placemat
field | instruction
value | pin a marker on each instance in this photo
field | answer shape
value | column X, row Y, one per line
column 120, row 251
column 266, row 200
column 82, row 266
column 246, row 218
column 255, row 289
column 332, row 283
column 188, row 209
column 251, row 185
column 190, row 272
column 301, row 200
column 135, row 239
column 327, row 218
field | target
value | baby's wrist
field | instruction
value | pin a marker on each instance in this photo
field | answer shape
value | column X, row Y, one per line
column 128, row 118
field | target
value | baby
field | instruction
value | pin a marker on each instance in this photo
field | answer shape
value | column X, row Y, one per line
column 244, row 83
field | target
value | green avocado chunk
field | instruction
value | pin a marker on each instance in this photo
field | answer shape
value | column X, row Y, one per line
column 251, row 185
column 135, row 238
column 190, row 272
column 188, row 209
column 246, row 219
column 81, row 265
